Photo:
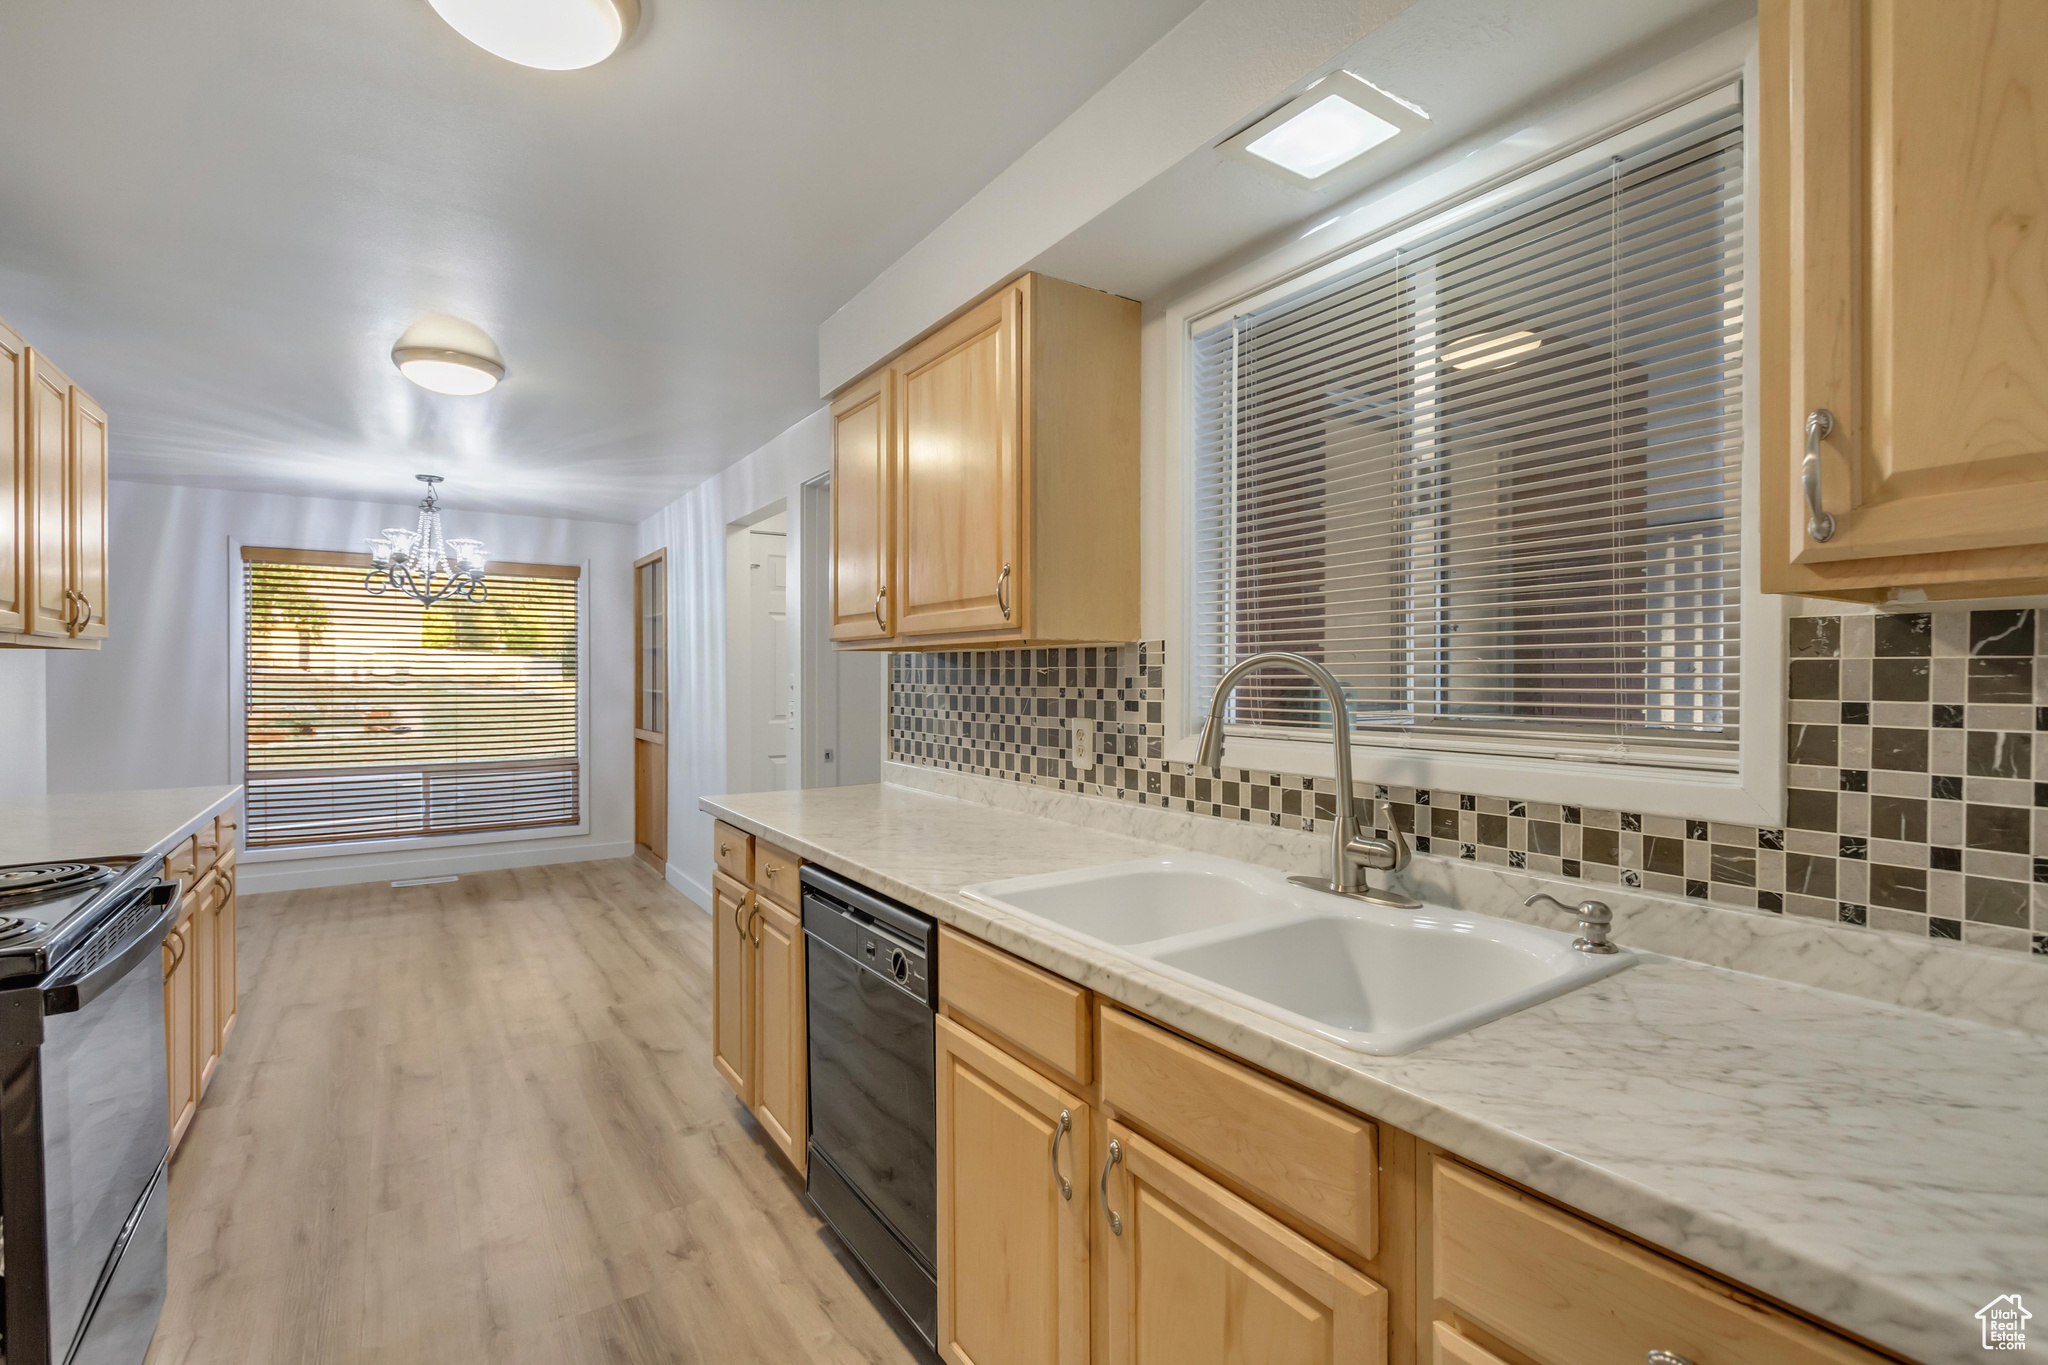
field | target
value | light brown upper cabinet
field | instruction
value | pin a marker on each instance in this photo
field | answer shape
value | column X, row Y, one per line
column 1002, row 450
column 13, row 485
column 53, row 522
column 863, row 446
column 1903, row 295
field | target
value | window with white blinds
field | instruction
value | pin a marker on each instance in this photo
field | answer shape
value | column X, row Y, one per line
column 375, row 718
column 1491, row 478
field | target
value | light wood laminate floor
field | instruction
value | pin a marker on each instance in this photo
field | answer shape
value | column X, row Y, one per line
column 478, row 1122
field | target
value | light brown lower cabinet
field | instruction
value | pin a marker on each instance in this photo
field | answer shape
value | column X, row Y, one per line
column 732, row 951
column 201, row 989
column 1013, row 1209
column 1192, row 1210
column 1521, row 1273
column 759, row 1039
column 1198, row 1276
column 781, row 1051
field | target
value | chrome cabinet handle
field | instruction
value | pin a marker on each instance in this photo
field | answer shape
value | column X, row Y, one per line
column 1115, row 1157
column 754, row 927
column 1656, row 1357
column 1820, row 524
column 1003, row 591
column 880, row 624
column 1066, row 1124
column 724, row 849
column 85, row 602
column 739, row 927
column 70, row 609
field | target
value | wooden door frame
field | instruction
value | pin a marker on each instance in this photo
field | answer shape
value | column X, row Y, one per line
column 644, row 736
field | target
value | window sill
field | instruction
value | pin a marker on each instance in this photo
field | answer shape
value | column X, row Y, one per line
column 284, row 853
column 1746, row 796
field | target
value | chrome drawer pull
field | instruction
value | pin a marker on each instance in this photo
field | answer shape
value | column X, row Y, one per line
column 1003, row 591
column 1116, row 1155
column 1657, row 1357
column 1820, row 524
column 1066, row 1124
column 880, row 624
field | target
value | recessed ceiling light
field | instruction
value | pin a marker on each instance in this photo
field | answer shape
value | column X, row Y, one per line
column 554, row 35
column 1334, row 122
column 448, row 355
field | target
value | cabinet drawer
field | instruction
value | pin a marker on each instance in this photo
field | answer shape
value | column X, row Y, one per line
column 1312, row 1160
column 1035, row 1010
column 1565, row 1291
column 181, row 864
column 775, row 875
column 733, row 851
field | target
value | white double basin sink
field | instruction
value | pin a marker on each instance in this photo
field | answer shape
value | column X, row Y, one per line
column 1376, row 980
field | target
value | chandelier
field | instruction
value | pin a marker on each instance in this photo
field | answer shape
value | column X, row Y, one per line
column 420, row 564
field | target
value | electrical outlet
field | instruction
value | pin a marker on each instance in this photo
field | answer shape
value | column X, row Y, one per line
column 828, row 755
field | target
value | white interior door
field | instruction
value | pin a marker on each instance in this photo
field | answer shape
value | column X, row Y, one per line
column 771, row 661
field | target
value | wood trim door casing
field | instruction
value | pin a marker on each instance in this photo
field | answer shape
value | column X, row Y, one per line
column 1898, row 153
column 1244, row 1285
column 14, row 490
column 864, row 474
column 650, row 743
column 959, row 487
column 1013, row 1252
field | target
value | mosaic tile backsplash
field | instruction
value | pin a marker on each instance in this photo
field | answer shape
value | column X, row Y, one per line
column 1917, row 793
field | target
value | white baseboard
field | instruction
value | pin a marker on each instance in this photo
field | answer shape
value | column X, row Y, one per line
column 699, row 894
column 284, row 876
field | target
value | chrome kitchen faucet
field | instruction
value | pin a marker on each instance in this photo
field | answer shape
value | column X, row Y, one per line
column 1349, row 852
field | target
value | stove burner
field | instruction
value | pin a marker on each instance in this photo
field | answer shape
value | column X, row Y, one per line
column 32, row 882
column 17, row 926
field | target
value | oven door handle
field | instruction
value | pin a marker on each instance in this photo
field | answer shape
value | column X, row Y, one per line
column 74, row 993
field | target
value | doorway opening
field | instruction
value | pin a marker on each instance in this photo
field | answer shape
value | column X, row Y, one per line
column 650, row 710
column 761, row 674
column 844, row 690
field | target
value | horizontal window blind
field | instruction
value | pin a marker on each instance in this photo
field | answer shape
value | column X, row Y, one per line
column 1491, row 479
column 375, row 718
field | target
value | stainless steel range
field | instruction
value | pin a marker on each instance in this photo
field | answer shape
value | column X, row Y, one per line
column 83, row 1128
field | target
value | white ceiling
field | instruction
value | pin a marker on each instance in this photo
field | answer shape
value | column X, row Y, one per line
column 219, row 214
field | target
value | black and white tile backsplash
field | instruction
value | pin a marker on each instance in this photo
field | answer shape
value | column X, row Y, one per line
column 1917, row 775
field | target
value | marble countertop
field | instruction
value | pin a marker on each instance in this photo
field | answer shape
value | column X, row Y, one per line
column 81, row 826
column 1877, row 1167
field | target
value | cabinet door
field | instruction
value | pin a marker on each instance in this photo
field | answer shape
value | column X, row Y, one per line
column 863, row 511
column 1013, row 1243
column 86, row 517
column 732, row 1025
column 958, row 521
column 781, row 1049
column 1198, row 1276
column 1905, row 289
column 14, row 490
column 46, row 424
column 205, row 976
column 227, row 996
column 178, row 1023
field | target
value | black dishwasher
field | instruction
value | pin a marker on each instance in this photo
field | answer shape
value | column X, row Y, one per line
column 872, row 966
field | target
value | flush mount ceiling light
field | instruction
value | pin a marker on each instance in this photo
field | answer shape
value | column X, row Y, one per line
column 553, row 35
column 1334, row 122
column 448, row 355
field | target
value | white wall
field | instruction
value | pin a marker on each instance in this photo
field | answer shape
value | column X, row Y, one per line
column 152, row 707
column 693, row 530
column 23, row 723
